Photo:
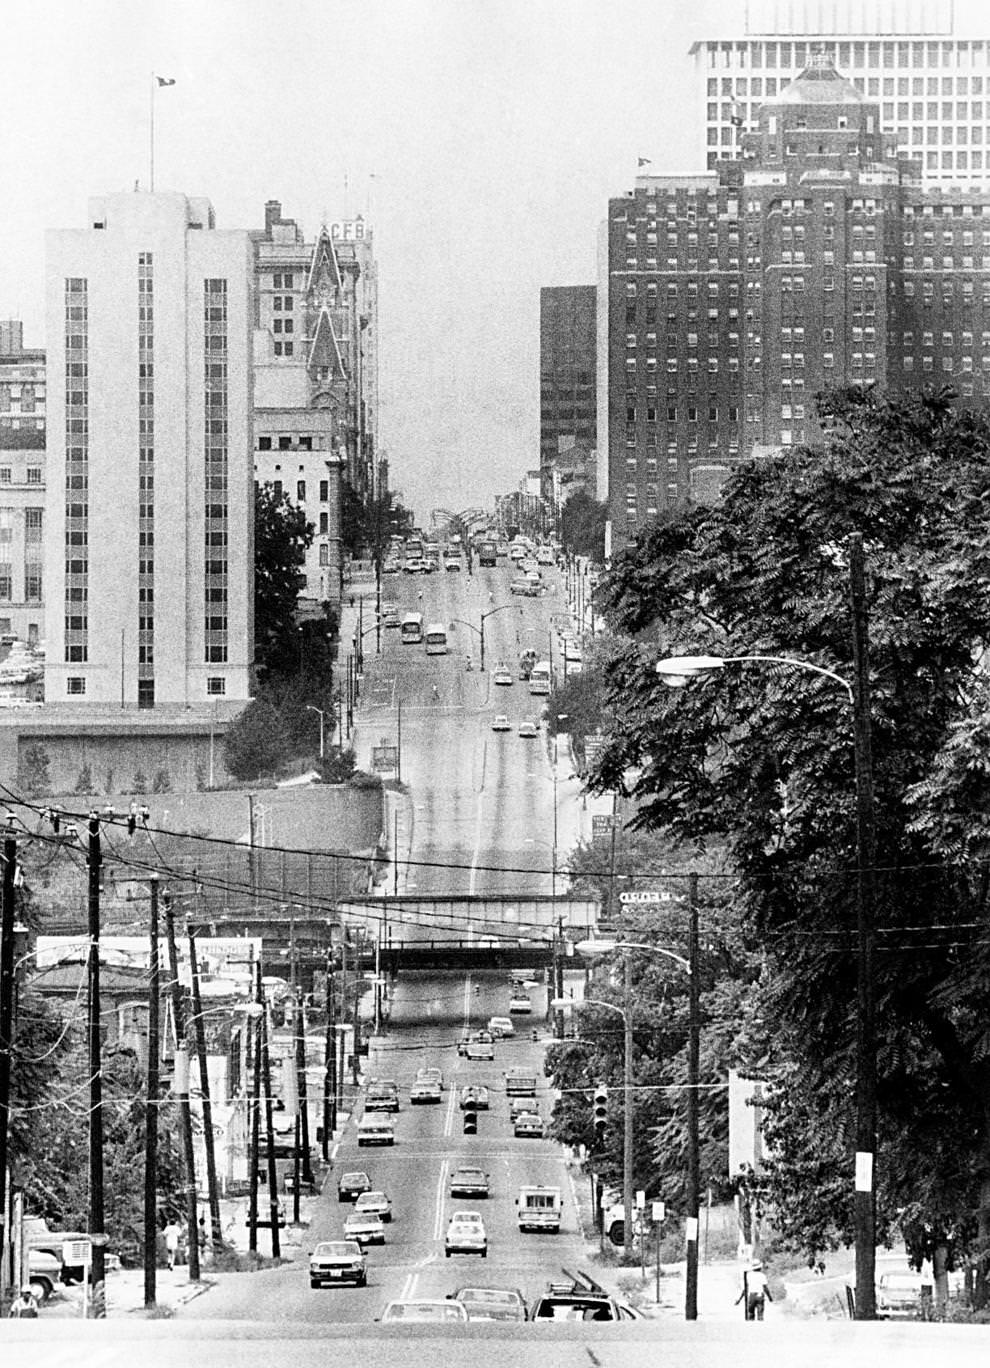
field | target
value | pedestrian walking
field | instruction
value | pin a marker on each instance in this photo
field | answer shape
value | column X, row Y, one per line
column 173, row 1232
column 755, row 1291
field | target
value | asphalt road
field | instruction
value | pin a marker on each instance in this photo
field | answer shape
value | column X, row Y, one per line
column 428, row 1015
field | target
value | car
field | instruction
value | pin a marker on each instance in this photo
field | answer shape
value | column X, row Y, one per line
column 452, row 562
column 544, row 556
column 463, row 1043
column 425, row 1091
column 491, row 1303
column 391, row 567
column 364, row 1226
column 431, row 1072
column 469, row 1182
column 520, row 1005
column 424, row 1309
column 414, row 566
column 390, row 615
column 466, row 1234
column 580, row 1299
column 376, row 1203
column 350, row 1185
column 430, row 565
column 502, row 675
column 337, row 1261
column 528, row 1126
column 529, row 728
column 481, row 1049
column 899, row 1295
column 502, row 1026
column 518, row 1105
column 501, row 723
column 381, row 1097
column 502, row 549
column 474, row 1095
column 519, row 585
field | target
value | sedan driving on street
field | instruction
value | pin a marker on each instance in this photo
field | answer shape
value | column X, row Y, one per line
column 529, row 728
column 338, row 1261
column 351, row 1185
column 502, row 675
column 491, row 1303
column 528, row 1126
column 466, row 1235
column 501, row 723
column 425, row 1091
column 469, row 1182
column 374, row 1203
column 365, row 1227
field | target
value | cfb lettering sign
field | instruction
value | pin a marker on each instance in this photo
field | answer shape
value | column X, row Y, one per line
column 647, row 897
column 347, row 230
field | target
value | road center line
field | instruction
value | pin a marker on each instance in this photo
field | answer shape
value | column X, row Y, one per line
column 441, row 1192
column 473, row 885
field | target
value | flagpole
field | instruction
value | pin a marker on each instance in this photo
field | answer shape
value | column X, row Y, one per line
column 152, row 136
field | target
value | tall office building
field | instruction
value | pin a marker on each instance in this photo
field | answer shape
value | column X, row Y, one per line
column 149, row 507
column 818, row 259
column 567, row 389
column 924, row 63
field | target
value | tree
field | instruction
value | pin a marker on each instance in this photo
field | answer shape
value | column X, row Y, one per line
column 761, row 759
column 582, row 526
column 34, row 777
column 281, row 538
column 255, row 743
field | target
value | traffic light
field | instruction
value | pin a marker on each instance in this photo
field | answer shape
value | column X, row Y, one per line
column 600, row 1114
column 470, row 1120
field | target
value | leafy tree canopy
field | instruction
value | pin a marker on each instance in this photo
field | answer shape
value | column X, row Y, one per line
column 281, row 537
column 760, row 758
column 582, row 526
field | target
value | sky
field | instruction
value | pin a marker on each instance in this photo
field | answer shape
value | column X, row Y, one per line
column 482, row 139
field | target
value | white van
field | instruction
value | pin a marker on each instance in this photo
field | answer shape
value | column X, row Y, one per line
column 377, row 1129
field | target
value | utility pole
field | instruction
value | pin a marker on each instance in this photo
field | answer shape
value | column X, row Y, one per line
column 398, row 744
column 693, row 1164
column 266, row 1083
column 96, row 1215
column 6, row 1021
column 864, row 1208
column 151, row 1110
column 255, row 1117
column 212, row 1188
column 182, row 1089
column 627, row 1109
column 330, row 1066
column 251, row 871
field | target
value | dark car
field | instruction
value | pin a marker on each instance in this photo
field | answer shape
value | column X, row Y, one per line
column 351, row 1185
column 491, row 1303
column 469, row 1182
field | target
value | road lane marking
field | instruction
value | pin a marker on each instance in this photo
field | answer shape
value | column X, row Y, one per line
column 448, row 1125
column 441, row 1192
column 473, row 884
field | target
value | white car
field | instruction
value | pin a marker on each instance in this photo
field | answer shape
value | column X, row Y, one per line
column 364, row 1226
column 414, row 566
column 431, row 1073
column 500, row 722
column 466, row 1235
column 528, row 728
column 520, row 1005
column 502, row 675
column 374, row 1203
column 502, row 1025
column 425, row 1310
column 336, row 1261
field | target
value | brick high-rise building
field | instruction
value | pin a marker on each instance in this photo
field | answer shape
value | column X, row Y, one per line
column 816, row 259
column 567, row 380
column 924, row 63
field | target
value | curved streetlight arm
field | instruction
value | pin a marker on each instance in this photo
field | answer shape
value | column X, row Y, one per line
column 562, row 1004
column 677, row 670
column 605, row 947
column 463, row 623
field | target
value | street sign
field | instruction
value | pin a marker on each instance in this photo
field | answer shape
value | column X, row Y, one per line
column 659, row 1212
column 648, row 897
column 601, row 825
column 593, row 744
column 384, row 759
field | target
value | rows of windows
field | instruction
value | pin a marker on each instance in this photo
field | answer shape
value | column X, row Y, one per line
column 146, row 481
column 216, row 525
column 926, row 55
column 76, row 312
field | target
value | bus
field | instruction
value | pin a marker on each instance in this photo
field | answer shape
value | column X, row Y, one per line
column 487, row 553
column 413, row 549
column 412, row 629
column 539, row 678
column 436, row 639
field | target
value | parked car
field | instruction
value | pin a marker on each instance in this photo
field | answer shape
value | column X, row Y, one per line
column 452, row 562
column 466, row 1235
column 350, row 1185
column 337, row 1261
column 899, row 1296
column 519, row 585
column 469, row 1182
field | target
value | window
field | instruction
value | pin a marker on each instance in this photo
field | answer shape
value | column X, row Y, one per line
column 301, row 491
column 216, row 685
column 34, row 474
column 75, row 684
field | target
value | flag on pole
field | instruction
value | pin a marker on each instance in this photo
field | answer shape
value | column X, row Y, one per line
column 165, row 80
column 643, row 161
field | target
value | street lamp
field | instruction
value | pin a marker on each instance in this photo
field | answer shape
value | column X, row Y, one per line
column 310, row 708
column 690, row 967
column 678, row 671
column 491, row 613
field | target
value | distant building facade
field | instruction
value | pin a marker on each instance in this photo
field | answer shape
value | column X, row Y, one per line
column 924, row 63
column 22, row 485
column 149, row 545
column 568, row 343
column 815, row 260
column 316, row 379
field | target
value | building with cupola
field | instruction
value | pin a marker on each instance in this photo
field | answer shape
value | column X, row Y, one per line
column 315, row 370
column 816, row 258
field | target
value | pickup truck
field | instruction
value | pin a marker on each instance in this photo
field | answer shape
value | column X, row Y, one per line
column 538, row 1208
